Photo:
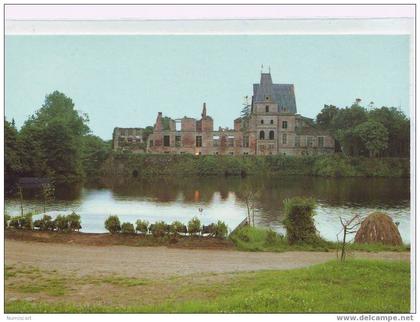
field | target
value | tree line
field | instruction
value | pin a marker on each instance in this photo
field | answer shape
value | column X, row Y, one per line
column 54, row 142
column 361, row 131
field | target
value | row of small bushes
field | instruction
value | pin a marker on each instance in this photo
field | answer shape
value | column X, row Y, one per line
column 160, row 228
column 46, row 223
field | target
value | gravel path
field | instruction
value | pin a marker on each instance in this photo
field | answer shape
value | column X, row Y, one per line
column 155, row 262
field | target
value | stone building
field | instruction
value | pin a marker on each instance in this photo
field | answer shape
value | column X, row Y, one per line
column 131, row 138
column 271, row 127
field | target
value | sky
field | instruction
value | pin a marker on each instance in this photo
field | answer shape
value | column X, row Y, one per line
column 124, row 81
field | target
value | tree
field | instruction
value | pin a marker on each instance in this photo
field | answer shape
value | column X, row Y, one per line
column 51, row 140
column 374, row 135
column 146, row 132
column 348, row 227
column 12, row 162
column 343, row 124
column 398, row 126
column 94, row 152
column 325, row 117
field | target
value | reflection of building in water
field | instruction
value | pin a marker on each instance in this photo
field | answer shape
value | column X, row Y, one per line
column 272, row 127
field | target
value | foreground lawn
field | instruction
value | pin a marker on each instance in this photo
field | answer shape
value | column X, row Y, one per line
column 354, row 286
column 256, row 239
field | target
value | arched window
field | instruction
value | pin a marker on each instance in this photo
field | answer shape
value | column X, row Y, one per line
column 267, row 108
column 262, row 121
column 271, row 135
column 262, row 135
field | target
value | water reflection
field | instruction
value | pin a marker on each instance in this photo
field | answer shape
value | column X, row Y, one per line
column 223, row 198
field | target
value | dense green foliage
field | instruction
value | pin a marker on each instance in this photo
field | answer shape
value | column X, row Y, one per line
column 370, row 132
column 74, row 222
column 356, row 286
column 149, row 165
column 194, row 226
column 12, row 158
column 63, row 223
column 46, row 223
column 142, row 226
column 177, row 227
column 112, row 224
column 127, row 228
column 54, row 143
column 158, row 229
column 221, row 230
column 50, row 140
column 299, row 222
column 94, row 152
column 161, row 229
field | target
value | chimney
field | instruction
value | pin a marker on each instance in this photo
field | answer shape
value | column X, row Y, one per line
column 158, row 125
column 204, row 113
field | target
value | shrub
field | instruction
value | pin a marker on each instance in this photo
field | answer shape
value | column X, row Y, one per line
column 127, row 228
column 112, row 224
column 194, row 226
column 250, row 238
column 272, row 237
column 299, row 222
column 74, row 221
column 141, row 226
column 6, row 220
column 61, row 223
column 47, row 223
column 14, row 222
column 221, row 230
column 25, row 221
column 177, row 228
column 159, row 229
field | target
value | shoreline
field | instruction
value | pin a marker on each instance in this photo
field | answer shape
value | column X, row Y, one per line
column 107, row 239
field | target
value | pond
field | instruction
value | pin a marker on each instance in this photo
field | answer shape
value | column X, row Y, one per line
column 223, row 199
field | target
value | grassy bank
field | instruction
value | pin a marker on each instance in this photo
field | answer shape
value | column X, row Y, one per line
column 260, row 239
column 147, row 165
column 350, row 287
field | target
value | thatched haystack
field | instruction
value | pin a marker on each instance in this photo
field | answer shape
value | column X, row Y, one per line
column 378, row 227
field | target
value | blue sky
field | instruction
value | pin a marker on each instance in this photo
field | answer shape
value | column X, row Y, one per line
column 125, row 80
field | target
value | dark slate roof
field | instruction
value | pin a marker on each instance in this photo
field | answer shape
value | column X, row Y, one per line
column 282, row 94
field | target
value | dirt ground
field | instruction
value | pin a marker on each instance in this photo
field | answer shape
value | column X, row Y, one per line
column 104, row 239
column 160, row 261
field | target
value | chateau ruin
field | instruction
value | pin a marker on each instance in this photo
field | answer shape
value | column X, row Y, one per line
column 271, row 127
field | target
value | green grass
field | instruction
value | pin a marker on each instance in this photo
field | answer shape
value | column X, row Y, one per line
column 350, row 287
column 113, row 279
column 256, row 239
column 32, row 280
